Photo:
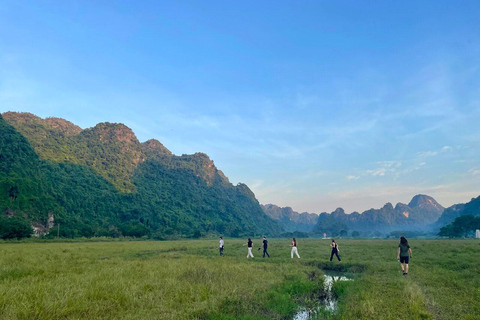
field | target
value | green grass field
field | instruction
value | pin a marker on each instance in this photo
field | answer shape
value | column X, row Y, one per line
column 188, row 280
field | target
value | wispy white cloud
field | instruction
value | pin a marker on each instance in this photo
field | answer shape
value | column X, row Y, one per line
column 430, row 153
column 425, row 154
column 382, row 168
column 474, row 171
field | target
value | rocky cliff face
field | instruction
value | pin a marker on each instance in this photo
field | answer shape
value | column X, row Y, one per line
column 40, row 229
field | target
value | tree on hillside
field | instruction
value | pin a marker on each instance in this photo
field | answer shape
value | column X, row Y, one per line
column 447, row 231
column 461, row 227
column 14, row 227
column 355, row 234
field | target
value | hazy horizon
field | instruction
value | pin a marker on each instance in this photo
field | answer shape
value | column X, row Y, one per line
column 314, row 105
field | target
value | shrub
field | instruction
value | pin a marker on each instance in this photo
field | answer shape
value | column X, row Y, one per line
column 14, row 227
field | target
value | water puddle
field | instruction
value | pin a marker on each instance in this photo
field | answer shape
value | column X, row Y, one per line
column 328, row 303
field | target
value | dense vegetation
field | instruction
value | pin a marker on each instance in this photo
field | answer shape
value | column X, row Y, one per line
column 103, row 182
column 463, row 226
column 188, row 280
column 14, row 227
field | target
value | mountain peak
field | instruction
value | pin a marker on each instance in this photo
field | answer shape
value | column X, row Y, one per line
column 108, row 131
column 423, row 201
column 154, row 148
column 63, row 126
column 388, row 206
column 401, row 206
column 21, row 117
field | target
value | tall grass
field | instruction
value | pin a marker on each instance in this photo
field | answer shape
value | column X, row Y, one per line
column 188, row 280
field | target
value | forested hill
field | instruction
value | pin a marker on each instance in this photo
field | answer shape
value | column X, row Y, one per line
column 451, row 213
column 102, row 181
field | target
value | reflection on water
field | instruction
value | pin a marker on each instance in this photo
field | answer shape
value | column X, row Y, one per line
column 302, row 315
column 329, row 302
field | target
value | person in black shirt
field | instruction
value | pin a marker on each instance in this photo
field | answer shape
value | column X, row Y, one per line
column 249, row 244
column 335, row 250
column 294, row 248
column 265, row 245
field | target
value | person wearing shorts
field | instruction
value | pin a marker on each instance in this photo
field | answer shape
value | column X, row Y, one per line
column 404, row 254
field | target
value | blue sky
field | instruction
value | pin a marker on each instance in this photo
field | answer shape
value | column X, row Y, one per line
column 313, row 104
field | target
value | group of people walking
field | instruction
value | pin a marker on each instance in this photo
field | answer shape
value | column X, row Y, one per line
column 249, row 245
column 293, row 245
column 403, row 254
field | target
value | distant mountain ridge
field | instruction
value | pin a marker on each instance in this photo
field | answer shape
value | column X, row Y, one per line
column 451, row 213
column 103, row 181
column 291, row 220
column 421, row 212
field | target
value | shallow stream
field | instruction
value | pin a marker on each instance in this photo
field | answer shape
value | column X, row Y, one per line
column 329, row 302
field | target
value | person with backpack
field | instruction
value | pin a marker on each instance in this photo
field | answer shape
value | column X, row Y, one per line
column 403, row 254
column 335, row 250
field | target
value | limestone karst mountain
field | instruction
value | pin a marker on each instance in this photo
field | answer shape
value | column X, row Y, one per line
column 103, row 181
column 421, row 212
column 291, row 220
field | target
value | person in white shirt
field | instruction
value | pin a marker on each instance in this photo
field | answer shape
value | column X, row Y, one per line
column 220, row 246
